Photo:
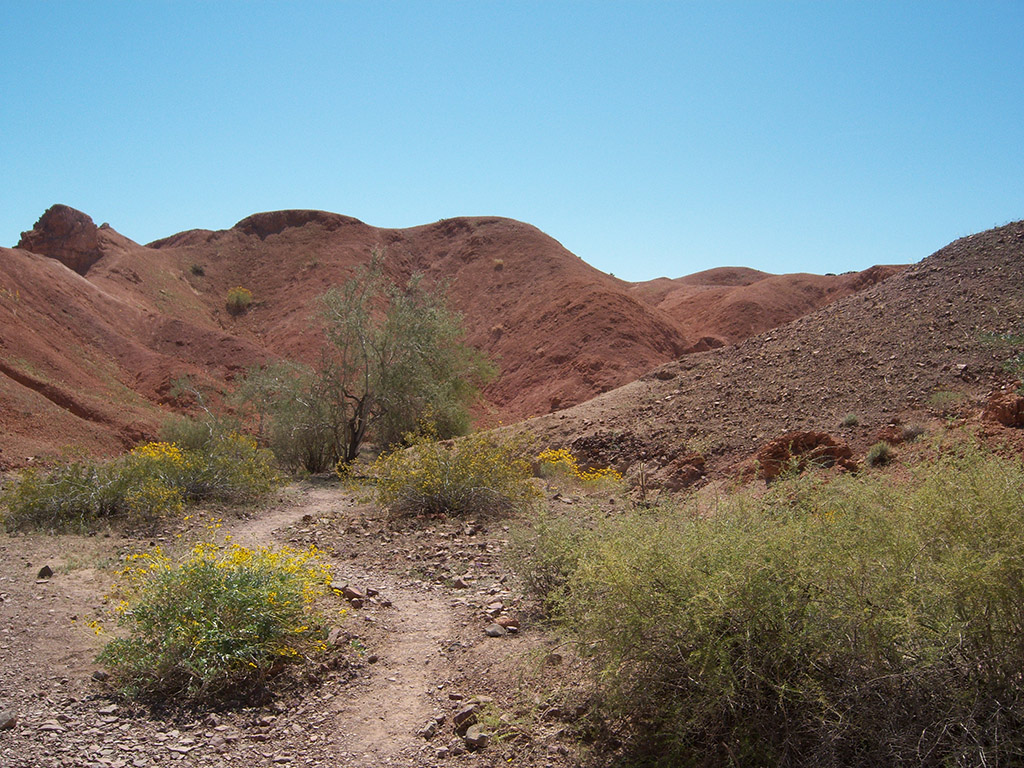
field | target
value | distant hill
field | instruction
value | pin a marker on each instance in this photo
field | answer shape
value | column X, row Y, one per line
column 920, row 350
column 94, row 327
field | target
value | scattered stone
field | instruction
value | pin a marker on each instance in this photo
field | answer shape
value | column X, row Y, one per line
column 495, row 630
column 442, row 753
column 553, row 659
column 462, row 582
column 508, row 622
column 337, row 637
column 347, row 591
column 430, row 729
column 476, row 737
column 100, row 676
column 464, row 718
column 495, row 609
column 371, row 592
column 7, row 721
column 45, row 573
column 373, row 658
column 356, row 602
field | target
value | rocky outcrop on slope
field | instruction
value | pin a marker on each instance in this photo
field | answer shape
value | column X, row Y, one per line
column 69, row 236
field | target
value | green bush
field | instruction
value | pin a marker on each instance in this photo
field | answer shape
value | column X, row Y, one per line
column 843, row 623
column 238, row 300
column 298, row 412
column 145, row 484
column 850, row 420
column 878, row 455
column 476, row 475
column 218, row 624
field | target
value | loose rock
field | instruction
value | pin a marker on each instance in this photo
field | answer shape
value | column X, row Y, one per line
column 476, row 737
column 495, row 630
column 464, row 718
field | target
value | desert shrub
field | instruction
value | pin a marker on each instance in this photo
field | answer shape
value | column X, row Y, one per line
column 138, row 488
column 238, row 300
column 545, row 554
column 198, row 270
column 397, row 357
column 946, row 401
column 851, row 622
column 850, row 420
column 476, row 475
column 878, row 455
column 190, row 432
column 561, row 463
column 218, row 623
column 230, row 469
column 298, row 412
column 911, row 432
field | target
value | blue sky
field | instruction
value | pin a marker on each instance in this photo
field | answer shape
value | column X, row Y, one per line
column 649, row 138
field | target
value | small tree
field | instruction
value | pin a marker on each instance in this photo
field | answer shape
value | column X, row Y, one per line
column 395, row 362
column 397, row 359
column 296, row 413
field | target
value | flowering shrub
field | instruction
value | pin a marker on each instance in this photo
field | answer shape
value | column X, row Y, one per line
column 218, row 623
column 148, row 482
column 561, row 462
column 238, row 300
column 478, row 474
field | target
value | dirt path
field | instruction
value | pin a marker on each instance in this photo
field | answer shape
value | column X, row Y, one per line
column 378, row 722
column 409, row 654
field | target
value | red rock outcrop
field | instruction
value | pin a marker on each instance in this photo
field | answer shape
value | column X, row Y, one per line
column 1006, row 408
column 801, row 450
column 69, row 236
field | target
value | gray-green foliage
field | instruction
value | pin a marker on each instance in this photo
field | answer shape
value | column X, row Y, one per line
column 395, row 362
column 851, row 622
column 398, row 358
column 297, row 412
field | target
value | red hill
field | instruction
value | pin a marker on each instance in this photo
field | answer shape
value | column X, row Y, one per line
column 94, row 327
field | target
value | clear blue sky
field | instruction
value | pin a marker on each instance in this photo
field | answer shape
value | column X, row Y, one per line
column 650, row 138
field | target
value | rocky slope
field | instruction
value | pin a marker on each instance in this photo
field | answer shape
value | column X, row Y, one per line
column 923, row 348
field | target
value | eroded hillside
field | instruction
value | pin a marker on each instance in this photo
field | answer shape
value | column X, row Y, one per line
column 95, row 328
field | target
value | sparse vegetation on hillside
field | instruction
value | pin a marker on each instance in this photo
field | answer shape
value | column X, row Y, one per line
column 879, row 455
column 238, row 300
column 218, row 623
column 854, row 621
